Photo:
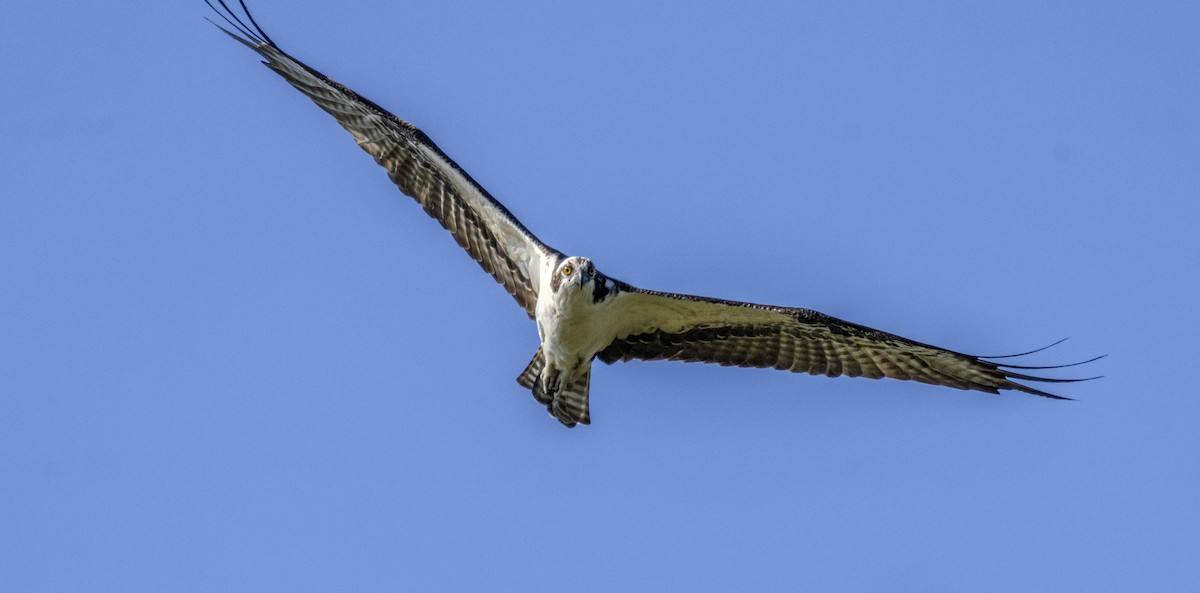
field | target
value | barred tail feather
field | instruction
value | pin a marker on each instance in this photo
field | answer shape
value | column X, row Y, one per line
column 570, row 406
column 529, row 377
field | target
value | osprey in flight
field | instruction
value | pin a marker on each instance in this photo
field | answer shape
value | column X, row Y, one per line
column 583, row 314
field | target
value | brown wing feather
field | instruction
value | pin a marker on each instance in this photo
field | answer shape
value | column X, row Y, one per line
column 665, row 326
column 482, row 226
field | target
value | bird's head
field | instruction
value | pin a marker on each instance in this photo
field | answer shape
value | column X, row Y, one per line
column 576, row 271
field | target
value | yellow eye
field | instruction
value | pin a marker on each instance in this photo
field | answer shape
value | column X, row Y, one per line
column 567, row 270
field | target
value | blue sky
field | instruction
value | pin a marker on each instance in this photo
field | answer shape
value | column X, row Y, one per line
column 234, row 358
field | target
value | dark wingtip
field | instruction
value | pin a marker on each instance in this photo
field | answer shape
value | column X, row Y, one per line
column 254, row 22
column 1052, row 366
column 1060, row 398
column 1046, row 347
column 1025, row 377
column 1038, row 392
column 1009, row 371
column 251, row 35
column 235, row 36
column 1035, row 391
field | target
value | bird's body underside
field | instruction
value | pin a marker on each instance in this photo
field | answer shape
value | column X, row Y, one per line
column 583, row 315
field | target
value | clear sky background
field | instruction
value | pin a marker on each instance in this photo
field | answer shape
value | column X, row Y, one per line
column 233, row 357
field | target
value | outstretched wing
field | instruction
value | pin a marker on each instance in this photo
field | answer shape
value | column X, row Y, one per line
column 663, row 326
column 480, row 224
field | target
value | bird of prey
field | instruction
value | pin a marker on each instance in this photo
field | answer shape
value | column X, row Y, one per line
column 583, row 314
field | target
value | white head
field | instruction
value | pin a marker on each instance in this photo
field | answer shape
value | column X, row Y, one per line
column 577, row 272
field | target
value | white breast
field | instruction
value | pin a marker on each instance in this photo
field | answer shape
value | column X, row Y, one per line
column 572, row 327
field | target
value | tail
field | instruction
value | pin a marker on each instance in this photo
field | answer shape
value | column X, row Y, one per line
column 570, row 404
column 529, row 377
